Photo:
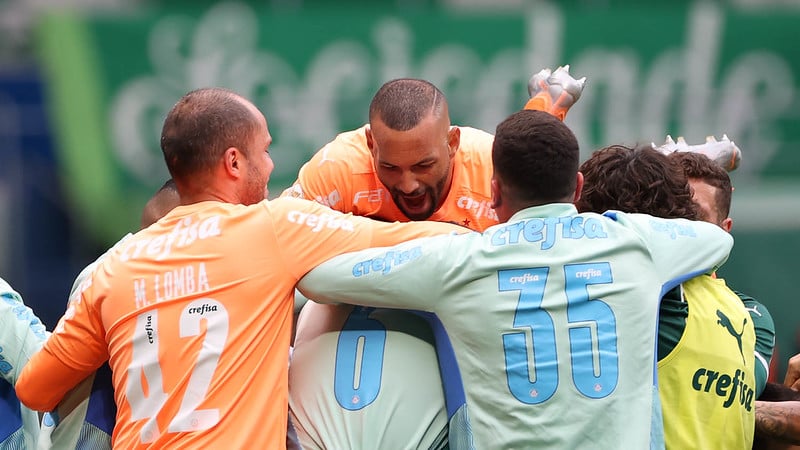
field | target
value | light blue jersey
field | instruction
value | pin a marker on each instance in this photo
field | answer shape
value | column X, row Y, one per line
column 21, row 334
column 552, row 316
column 365, row 378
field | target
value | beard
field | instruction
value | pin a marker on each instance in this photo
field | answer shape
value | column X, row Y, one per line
column 428, row 194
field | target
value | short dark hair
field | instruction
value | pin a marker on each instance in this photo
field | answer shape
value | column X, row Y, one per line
column 402, row 103
column 536, row 157
column 201, row 126
column 640, row 180
column 701, row 167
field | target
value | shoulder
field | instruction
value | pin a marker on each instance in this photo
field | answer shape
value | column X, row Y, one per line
column 475, row 141
column 757, row 310
column 348, row 149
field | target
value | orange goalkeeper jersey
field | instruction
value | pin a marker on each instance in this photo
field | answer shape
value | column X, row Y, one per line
column 194, row 315
column 342, row 175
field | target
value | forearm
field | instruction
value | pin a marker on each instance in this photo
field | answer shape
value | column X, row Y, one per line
column 779, row 421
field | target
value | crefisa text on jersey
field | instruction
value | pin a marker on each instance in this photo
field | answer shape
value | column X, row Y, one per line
column 185, row 232
column 547, row 230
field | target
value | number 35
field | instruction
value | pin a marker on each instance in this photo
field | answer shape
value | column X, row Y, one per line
column 592, row 334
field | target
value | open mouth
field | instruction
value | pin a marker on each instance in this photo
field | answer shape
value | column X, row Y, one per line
column 415, row 204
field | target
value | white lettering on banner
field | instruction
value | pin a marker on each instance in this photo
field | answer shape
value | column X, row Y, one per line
column 755, row 91
column 639, row 92
column 318, row 222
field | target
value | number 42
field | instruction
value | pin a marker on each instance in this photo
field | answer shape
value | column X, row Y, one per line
column 145, row 364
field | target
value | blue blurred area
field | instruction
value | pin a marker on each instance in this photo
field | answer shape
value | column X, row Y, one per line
column 40, row 249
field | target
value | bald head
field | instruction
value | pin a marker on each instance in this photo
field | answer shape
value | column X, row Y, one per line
column 402, row 103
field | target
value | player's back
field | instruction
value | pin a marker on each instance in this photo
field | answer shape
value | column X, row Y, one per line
column 365, row 378
column 196, row 308
column 194, row 315
column 567, row 336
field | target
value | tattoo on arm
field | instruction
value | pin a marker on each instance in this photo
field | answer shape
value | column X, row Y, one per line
column 779, row 421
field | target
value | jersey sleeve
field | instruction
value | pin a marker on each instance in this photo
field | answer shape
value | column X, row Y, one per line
column 21, row 333
column 76, row 348
column 765, row 338
column 388, row 277
column 309, row 233
column 325, row 181
column 680, row 249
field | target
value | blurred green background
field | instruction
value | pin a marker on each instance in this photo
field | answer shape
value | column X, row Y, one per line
column 110, row 70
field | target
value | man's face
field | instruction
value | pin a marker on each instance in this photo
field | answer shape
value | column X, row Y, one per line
column 415, row 165
column 259, row 164
column 705, row 196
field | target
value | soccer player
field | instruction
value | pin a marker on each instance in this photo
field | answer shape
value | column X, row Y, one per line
column 409, row 163
column 338, row 395
column 551, row 314
column 712, row 190
column 86, row 416
column 705, row 337
column 706, row 374
column 365, row 378
column 21, row 335
column 193, row 313
column 409, row 137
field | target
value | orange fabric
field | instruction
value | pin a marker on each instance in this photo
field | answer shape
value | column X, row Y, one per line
column 200, row 305
column 543, row 102
column 342, row 176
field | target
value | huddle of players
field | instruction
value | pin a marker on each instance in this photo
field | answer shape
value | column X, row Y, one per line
column 410, row 164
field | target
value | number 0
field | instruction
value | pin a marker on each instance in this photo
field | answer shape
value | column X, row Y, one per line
column 357, row 375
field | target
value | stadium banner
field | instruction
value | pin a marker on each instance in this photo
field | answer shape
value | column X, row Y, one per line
column 685, row 69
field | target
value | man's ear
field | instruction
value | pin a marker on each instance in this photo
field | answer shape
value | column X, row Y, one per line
column 727, row 224
column 232, row 161
column 578, row 187
column 453, row 140
column 370, row 140
column 497, row 196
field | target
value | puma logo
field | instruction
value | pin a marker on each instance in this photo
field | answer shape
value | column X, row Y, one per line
column 725, row 322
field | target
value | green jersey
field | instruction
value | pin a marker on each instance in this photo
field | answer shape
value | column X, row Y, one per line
column 552, row 316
